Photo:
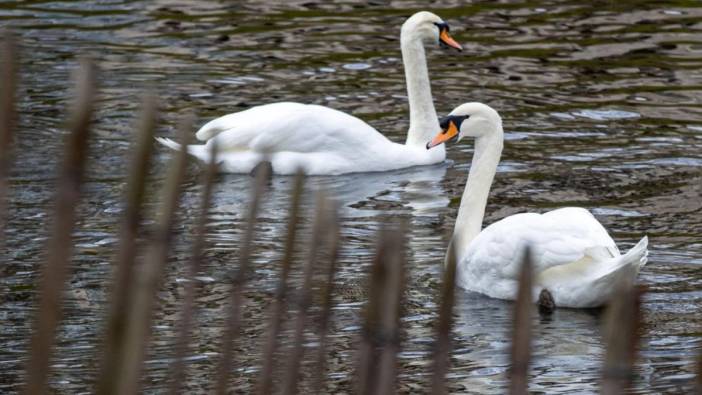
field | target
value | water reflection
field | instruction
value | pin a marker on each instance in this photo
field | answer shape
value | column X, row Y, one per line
column 415, row 191
column 567, row 347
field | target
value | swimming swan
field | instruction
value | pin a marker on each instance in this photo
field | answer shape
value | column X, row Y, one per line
column 573, row 256
column 321, row 140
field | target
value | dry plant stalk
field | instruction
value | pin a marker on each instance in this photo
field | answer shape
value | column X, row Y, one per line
column 147, row 275
column 56, row 269
column 183, row 337
column 332, row 233
column 442, row 349
column 380, row 334
column 521, row 335
column 126, row 251
column 292, row 373
column 390, row 312
column 233, row 323
column 279, row 301
column 8, row 86
column 621, row 335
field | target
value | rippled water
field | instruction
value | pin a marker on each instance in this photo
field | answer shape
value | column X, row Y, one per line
column 602, row 109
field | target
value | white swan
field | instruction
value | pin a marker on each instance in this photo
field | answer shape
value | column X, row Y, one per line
column 573, row 256
column 321, row 140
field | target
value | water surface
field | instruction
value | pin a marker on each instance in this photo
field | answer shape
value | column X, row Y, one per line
column 602, row 109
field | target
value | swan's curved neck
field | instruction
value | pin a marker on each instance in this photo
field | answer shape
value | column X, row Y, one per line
column 423, row 120
column 469, row 221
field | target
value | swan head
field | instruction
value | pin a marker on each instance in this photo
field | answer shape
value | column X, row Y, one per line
column 469, row 119
column 429, row 27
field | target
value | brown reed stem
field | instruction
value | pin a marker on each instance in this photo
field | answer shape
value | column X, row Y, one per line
column 389, row 319
column 367, row 349
column 183, row 337
column 292, row 374
column 332, row 232
column 147, row 275
column 621, row 335
column 233, row 323
column 279, row 301
column 56, row 269
column 442, row 349
column 8, row 85
column 380, row 334
column 521, row 332
column 123, row 273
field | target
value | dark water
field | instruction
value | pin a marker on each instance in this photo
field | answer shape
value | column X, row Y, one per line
column 602, row 107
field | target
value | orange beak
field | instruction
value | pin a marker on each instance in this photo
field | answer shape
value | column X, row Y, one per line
column 445, row 38
column 444, row 135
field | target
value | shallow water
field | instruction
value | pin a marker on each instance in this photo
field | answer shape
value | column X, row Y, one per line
column 601, row 106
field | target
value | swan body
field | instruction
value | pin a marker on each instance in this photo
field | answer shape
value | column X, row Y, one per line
column 318, row 139
column 573, row 256
column 324, row 141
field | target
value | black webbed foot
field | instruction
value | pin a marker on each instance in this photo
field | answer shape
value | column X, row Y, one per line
column 546, row 303
column 263, row 166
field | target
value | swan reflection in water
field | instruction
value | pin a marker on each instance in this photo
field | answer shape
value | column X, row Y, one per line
column 416, row 188
column 365, row 200
column 567, row 347
column 362, row 198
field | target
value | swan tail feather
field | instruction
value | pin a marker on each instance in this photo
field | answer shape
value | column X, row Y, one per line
column 198, row 151
column 637, row 256
column 599, row 288
column 168, row 143
column 624, row 273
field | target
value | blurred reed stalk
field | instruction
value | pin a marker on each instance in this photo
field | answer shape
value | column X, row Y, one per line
column 303, row 301
column 390, row 306
column 148, row 274
column 233, row 322
column 698, row 382
column 279, row 300
column 55, row 271
column 442, row 349
column 332, row 232
column 521, row 332
column 183, row 337
column 8, row 86
column 380, row 333
column 122, row 278
column 621, row 336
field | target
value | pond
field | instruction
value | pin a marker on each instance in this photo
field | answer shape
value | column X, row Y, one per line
column 602, row 108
